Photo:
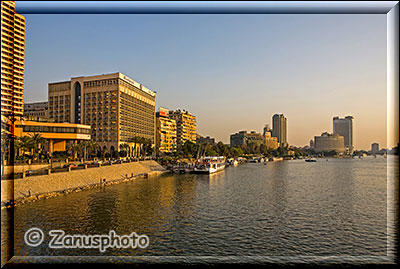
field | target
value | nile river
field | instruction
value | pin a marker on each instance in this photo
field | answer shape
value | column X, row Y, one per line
column 289, row 208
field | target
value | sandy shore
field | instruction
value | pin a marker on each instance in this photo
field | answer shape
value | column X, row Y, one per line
column 14, row 192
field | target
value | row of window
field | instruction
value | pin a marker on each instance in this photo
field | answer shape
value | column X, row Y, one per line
column 52, row 129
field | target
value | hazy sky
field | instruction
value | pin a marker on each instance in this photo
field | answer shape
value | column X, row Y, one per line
column 232, row 71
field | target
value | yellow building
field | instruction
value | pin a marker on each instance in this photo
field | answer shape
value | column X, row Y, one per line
column 165, row 132
column 271, row 142
column 12, row 61
column 115, row 106
column 58, row 134
column 185, row 125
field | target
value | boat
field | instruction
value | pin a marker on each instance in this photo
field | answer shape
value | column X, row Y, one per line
column 311, row 160
column 209, row 165
column 235, row 163
column 276, row 159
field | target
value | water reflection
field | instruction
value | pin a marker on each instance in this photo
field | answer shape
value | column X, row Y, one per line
column 282, row 208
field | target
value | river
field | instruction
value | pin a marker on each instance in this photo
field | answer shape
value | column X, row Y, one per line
column 333, row 207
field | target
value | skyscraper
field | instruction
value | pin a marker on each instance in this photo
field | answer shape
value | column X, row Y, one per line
column 12, row 61
column 344, row 127
column 279, row 129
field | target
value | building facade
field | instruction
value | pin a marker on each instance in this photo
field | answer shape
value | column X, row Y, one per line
column 279, row 129
column 12, row 61
column 165, row 132
column 329, row 142
column 115, row 106
column 344, row 127
column 185, row 126
column 270, row 141
column 245, row 138
column 374, row 148
column 204, row 140
column 57, row 134
column 38, row 110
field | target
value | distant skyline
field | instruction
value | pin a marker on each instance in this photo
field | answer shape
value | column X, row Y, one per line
column 234, row 72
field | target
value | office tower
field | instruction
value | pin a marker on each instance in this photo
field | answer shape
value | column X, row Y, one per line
column 165, row 132
column 344, row 127
column 185, row 126
column 279, row 129
column 115, row 106
column 12, row 61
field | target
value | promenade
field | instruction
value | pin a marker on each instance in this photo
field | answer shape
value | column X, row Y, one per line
column 27, row 189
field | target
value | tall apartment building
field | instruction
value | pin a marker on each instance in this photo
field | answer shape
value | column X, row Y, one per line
column 38, row 110
column 344, row 127
column 115, row 106
column 12, row 61
column 165, row 132
column 186, row 126
column 279, row 128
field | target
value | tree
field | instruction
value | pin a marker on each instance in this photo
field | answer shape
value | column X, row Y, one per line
column 36, row 141
column 92, row 146
column 123, row 148
column 74, row 148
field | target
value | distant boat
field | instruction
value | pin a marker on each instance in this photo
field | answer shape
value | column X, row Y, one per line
column 276, row 159
column 311, row 160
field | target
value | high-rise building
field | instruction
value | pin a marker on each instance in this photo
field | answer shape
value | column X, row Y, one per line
column 344, row 127
column 279, row 129
column 185, row 126
column 374, row 148
column 165, row 132
column 115, row 106
column 12, row 61
column 329, row 142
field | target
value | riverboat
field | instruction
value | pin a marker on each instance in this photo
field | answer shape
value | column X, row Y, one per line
column 209, row 165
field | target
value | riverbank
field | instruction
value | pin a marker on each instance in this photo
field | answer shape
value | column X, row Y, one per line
column 19, row 191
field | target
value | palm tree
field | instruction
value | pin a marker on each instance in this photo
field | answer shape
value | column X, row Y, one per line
column 134, row 140
column 92, row 146
column 75, row 148
column 124, row 147
column 36, row 141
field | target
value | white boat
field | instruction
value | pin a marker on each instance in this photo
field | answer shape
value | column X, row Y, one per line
column 209, row 165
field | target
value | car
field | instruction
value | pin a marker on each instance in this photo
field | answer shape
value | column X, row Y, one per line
column 72, row 165
column 30, row 172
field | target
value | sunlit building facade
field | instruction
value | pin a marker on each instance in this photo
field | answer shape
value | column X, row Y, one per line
column 115, row 106
column 12, row 61
column 185, row 126
column 165, row 132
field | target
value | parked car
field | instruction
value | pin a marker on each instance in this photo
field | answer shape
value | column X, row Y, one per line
column 30, row 172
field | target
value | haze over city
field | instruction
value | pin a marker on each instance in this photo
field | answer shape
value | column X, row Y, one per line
column 232, row 71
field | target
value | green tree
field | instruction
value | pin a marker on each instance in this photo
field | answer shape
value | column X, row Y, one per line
column 75, row 149
column 37, row 140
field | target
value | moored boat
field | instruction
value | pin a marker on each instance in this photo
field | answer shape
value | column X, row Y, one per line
column 209, row 165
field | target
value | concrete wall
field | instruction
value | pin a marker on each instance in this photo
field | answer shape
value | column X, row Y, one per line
column 32, row 188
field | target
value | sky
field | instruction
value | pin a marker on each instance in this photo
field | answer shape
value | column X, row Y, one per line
column 234, row 72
